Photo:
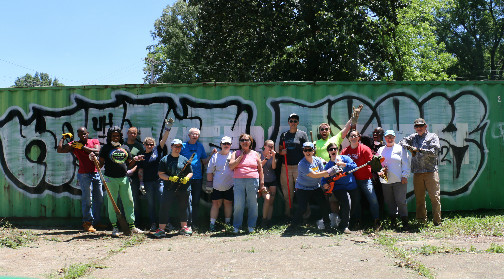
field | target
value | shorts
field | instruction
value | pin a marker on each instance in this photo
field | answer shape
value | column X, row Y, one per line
column 269, row 184
column 226, row 195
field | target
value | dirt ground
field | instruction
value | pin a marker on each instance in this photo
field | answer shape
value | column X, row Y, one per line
column 259, row 255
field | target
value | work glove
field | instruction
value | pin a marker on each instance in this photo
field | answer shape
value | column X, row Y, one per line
column 184, row 180
column 142, row 188
column 334, row 170
column 355, row 114
column 174, row 178
column 413, row 150
column 77, row 145
column 67, row 135
column 208, row 187
column 168, row 124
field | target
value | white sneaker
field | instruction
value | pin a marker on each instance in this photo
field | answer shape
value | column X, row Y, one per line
column 320, row 224
column 136, row 230
column 335, row 220
column 115, row 232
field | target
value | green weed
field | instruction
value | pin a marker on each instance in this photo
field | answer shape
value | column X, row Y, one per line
column 11, row 237
column 495, row 248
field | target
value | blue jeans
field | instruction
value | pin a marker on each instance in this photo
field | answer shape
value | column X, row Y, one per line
column 194, row 200
column 366, row 187
column 245, row 194
column 154, row 191
column 92, row 196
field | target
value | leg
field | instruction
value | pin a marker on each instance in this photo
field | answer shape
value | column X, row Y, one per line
column 344, row 203
column 151, row 189
column 194, row 198
column 319, row 199
column 302, row 199
column 127, row 199
column 114, row 191
column 271, row 201
column 355, row 205
column 419, row 189
column 434, row 190
column 167, row 199
column 214, row 211
column 367, row 189
column 97, row 190
column 84, row 180
column 239, row 202
column 182, row 199
column 400, row 198
column 134, row 183
column 388, row 197
column 251, row 198
column 285, row 192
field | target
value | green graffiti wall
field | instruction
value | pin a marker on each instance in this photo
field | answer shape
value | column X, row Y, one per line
column 37, row 181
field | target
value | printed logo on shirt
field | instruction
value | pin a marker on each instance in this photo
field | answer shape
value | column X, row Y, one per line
column 315, row 169
column 118, row 156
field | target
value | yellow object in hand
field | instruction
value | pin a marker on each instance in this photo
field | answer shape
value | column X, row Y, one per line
column 184, row 180
column 77, row 145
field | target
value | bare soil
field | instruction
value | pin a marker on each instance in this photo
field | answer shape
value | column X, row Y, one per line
column 259, row 255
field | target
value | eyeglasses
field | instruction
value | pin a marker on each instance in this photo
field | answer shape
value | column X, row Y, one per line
column 324, row 129
column 293, row 121
column 354, row 136
column 244, row 140
column 419, row 126
column 226, row 143
column 269, row 146
column 307, row 150
column 332, row 149
column 148, row 144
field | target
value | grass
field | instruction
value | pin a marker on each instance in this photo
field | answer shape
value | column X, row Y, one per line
column 76, row 271
column 12, row 237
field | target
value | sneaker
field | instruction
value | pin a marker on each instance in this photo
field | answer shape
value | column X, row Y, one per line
column 115, row 232
column 160, row 233
column 169, row 227
column 347, row 231
column 335, row 220
column 136, row 230
column 185, row 230
column 212, row 227
column 250, row 229
column 320, row 224
column 153, row 227
column 88, row 227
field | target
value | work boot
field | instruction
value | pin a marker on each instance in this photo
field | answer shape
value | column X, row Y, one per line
column 88, row 227
column 404, row 220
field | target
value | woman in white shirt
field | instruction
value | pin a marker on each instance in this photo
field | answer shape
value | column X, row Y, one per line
column 394, row 178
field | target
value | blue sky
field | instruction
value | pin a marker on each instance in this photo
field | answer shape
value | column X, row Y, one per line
column 79, row 42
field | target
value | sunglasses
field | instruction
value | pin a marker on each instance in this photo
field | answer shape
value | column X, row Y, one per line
column 226, row 143
column 307, row 150
column 332, row 149
column 293, row 121
column 324, row 129
column 419, row 126
column 148, row 144
column 244, row 140
column 176, row 146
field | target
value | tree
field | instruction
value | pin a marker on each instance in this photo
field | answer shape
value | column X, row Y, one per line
column 473, row 30
column 406, row 45
column 170, row 60
column 39, row 79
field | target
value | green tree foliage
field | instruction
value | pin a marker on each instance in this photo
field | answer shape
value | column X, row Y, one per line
column 319, row 40
column 473, row 30
column 39, row 79
column 171, row 58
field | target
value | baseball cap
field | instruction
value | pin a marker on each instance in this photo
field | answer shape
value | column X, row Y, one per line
column 226, row 139
column 176, row 141
column 419, row 121
column 389, row 132
column 293, row 115
column 308, row 144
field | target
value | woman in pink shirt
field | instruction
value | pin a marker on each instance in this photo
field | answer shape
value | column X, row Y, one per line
column 248, row 178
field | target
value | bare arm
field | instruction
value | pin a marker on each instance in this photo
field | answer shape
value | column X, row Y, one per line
column 63, row 148
column 140, row 174
column 163, row 140
column 346, row 129
column 234, row 161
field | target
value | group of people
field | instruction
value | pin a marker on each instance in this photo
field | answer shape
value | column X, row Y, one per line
column 314, row 172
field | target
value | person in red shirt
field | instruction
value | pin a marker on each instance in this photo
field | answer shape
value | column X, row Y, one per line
column 87, row 177
column 362, row 154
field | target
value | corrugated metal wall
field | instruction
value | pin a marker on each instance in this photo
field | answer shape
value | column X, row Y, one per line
column 467, row 116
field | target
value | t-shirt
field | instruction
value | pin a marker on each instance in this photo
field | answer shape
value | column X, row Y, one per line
column 150, row 164
column 268, row 171
column 321, row 146
column 294, row 144
column 360, row 155
column 86, row 165
column 172, row 166
column 115, row 160
column 346, row 182
column 305, row 182
column 135, row 149
column 187, row 150
column 222, row 173
column 247, row 168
